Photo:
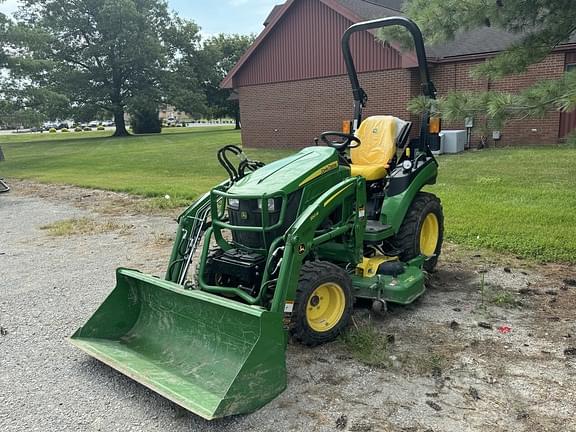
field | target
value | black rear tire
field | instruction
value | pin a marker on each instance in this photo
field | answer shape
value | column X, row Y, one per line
column 408, row 239
column 323, row 304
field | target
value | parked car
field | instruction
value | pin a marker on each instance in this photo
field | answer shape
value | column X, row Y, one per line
column 93, row 123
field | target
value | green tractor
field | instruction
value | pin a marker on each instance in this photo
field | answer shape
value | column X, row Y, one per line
column 279, row 249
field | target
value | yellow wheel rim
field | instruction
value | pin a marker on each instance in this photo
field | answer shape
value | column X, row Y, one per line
column 429, row 235
column 325, row 307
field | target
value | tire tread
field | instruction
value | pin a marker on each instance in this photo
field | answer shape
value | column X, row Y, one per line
column 407, row 239
column 310, row 273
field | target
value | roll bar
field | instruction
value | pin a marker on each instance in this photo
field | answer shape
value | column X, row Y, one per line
column 360, row 96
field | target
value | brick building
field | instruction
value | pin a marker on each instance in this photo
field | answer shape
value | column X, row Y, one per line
column 292, row 82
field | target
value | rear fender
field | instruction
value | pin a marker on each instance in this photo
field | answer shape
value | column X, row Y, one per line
column 395, row 207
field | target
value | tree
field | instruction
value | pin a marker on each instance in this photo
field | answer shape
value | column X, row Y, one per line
column 4, row 24
column 221, row 53
column 99, row 54
column 6, row 105
column 540, row 25
column 145, row 117
column 187, row 70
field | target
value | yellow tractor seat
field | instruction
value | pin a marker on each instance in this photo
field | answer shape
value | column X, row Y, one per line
column 369, row 172
column 378, row 136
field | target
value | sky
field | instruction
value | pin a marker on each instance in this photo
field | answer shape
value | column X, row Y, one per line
column 216, row 16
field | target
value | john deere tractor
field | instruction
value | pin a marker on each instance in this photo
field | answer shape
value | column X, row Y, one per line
column 277, row 250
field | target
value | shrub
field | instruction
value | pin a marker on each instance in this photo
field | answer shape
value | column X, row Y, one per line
column 146, row 120
column 571, row 140
column 78, row 129
column 64, row 130
column 100, row 128
column 87, row 129
column 52, row 130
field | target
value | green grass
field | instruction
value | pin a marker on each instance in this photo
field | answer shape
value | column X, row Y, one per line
column 367, row 344
column 521, row 200
column 79, row 226
column 180, row 162
column 504, row 298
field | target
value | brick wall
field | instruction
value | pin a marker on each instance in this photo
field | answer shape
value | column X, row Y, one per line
column 291, row 114
column 456, row 76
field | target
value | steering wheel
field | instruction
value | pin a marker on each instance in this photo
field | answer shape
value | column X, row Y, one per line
column 340, row 145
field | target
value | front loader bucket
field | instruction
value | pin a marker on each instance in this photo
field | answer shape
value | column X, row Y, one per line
column 213, row 356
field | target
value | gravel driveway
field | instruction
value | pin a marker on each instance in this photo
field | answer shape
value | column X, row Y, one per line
column 446, row 372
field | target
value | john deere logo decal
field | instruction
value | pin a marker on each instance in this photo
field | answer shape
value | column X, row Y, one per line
column 301, row 248
column 243, row 215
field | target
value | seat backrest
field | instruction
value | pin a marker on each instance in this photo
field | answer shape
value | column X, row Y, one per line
column 378, row 136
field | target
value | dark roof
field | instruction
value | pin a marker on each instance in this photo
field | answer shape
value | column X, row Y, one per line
column 372, row 9
column 272, row 14
column 479, row 41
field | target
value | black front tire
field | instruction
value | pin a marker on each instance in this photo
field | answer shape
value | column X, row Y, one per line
column 408, row 238
column 306, row 327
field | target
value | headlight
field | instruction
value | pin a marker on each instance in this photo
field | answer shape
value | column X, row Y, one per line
column 234, row 203
column 271, row 205
column 221, row 205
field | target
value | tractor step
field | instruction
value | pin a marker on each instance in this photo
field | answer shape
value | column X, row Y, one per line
column 376, row 231
column 403, row 288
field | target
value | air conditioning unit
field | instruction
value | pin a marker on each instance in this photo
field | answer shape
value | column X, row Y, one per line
column 454, row 141
column 438, row 149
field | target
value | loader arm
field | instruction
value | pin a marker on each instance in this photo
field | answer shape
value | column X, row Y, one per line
column 193, row 217
column 301, row 238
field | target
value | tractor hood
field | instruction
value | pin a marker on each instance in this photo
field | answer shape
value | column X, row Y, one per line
column 288, row 174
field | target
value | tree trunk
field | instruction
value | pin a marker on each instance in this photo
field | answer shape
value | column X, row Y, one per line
column 237, row 118
column 120, row 124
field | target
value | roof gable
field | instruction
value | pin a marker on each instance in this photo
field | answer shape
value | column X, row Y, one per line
column 481, row 42
column 302, row 40
column 272, row 14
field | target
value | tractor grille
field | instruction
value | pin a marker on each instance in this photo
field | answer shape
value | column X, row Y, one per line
column 248, row 214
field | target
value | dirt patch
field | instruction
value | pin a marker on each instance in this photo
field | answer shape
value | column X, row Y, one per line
column 490, row 347
column 100, row 201
column 82, row 226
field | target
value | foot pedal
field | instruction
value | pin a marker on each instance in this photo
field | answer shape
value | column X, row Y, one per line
column 375, row 227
